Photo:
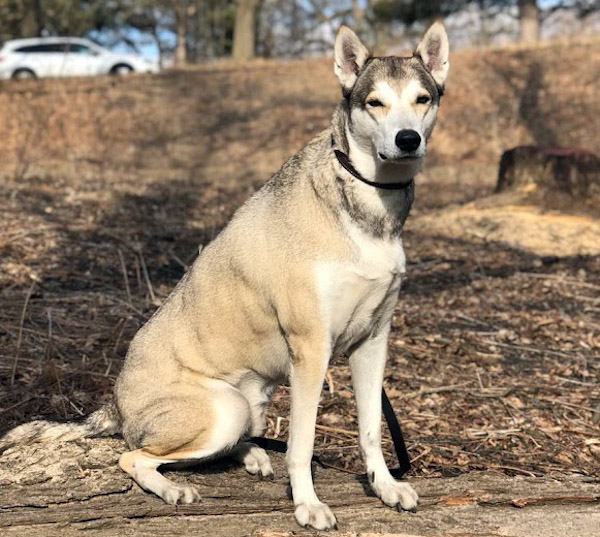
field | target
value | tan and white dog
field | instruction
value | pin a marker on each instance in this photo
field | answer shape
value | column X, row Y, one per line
column 308, row 268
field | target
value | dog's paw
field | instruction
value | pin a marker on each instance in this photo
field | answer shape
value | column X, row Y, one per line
column 316, row 515
column 176, row 494
column 396, row 494
column 256, row 461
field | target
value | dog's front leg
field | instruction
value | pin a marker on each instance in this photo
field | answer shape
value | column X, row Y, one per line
column 367, row 364
column 308, row 372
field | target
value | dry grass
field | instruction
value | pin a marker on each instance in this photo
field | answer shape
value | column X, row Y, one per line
column 110, row 185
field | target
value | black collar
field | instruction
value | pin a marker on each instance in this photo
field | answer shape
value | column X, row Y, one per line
column 347, row 165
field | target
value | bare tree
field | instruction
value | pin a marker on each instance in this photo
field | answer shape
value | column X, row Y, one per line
column 529, row 21
column 180, row 11
column 244, row 30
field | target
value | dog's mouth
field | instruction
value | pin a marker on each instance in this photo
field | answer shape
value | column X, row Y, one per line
column 406, row 158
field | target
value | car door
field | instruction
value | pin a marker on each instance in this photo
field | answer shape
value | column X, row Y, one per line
column 82, row 60
column 44, row 59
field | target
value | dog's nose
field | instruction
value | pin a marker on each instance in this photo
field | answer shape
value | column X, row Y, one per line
column 408, row 140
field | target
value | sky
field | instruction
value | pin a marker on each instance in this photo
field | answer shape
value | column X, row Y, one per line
column 145, row 44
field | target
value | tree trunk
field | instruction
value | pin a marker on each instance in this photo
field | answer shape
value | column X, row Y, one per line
column 159, row 48
column 358, row 16
column 556, row 173
column 39, row 17
column 74, row 489
column 180, row 9
column 529, row 21
column 243, row 30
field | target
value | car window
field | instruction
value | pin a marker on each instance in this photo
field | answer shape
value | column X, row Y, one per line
column 47, row 48
column 80, row 49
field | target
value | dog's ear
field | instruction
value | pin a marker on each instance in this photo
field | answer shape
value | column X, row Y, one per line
column 350, row 56
column 433, row 50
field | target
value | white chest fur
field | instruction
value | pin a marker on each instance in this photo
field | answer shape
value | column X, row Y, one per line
column 355, row 295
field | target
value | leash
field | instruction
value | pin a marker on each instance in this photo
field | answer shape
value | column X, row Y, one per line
column 280, row 446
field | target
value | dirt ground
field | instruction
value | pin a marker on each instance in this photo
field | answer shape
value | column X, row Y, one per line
column 109, row 186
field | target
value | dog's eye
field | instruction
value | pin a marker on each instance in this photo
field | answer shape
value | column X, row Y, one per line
column 374, row 103
column 423, row 99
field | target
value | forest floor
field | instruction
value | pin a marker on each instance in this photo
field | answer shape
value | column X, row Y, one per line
column 109, row 186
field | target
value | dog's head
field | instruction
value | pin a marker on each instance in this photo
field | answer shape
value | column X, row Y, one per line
column 392, row 101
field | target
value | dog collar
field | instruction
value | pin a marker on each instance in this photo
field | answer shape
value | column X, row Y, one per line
column 347, row 165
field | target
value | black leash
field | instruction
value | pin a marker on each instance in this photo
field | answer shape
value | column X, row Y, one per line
column 397, row 437
column 280, row 446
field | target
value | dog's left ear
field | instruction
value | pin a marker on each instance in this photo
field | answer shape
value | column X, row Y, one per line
column 350, row 56
column 433, row 50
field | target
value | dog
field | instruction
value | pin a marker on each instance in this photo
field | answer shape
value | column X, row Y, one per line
column 308, row 268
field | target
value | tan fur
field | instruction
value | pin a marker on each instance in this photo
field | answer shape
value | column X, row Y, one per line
column 308, row 267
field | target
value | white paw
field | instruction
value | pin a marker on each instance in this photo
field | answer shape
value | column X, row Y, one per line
column 175, row 494
column 317, row 515
column 256, row 461
column 395, row 493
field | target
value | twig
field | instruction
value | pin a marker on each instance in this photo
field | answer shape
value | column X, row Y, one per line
column 330, row 384
column 24, row 233
column 465, row 317
column 530, row 349
column 440, row 389
column 146, row 276
column 514, row 469
column 345, row 432
column 571, row 405
column 125, row 278
column 20, row 336
column 16, row 405
column 573, row 381
column 560, row 279
column 178, row 260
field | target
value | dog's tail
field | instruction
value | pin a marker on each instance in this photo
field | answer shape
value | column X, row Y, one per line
column 105, row 421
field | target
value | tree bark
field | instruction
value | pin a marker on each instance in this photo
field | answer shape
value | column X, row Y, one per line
column 529, row 21
column 557, row 174
column 243, row 30
column 180, row 9
column 64, row 489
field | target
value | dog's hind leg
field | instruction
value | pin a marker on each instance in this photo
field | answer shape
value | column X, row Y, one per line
column 142, row 466
column 208, row 425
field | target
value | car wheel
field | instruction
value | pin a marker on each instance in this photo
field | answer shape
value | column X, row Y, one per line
column 23, row 74
column 121, row 69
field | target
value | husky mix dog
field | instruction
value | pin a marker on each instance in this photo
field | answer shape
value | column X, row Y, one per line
column 308, row 268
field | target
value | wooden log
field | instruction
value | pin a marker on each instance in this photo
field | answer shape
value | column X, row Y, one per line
column 567, row 172
column 62, row 489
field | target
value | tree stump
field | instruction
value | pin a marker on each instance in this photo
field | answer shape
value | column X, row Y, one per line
column 70, row 489
column 558, row 172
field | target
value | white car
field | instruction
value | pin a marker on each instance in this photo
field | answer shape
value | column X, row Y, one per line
column 66, row 56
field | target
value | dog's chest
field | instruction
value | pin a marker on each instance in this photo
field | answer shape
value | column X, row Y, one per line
column 357, row 295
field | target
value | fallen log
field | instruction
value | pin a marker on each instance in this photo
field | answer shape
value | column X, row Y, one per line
column 61, row 489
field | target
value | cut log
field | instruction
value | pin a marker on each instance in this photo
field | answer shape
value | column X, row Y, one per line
column 570, row 173
column 61, row 489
